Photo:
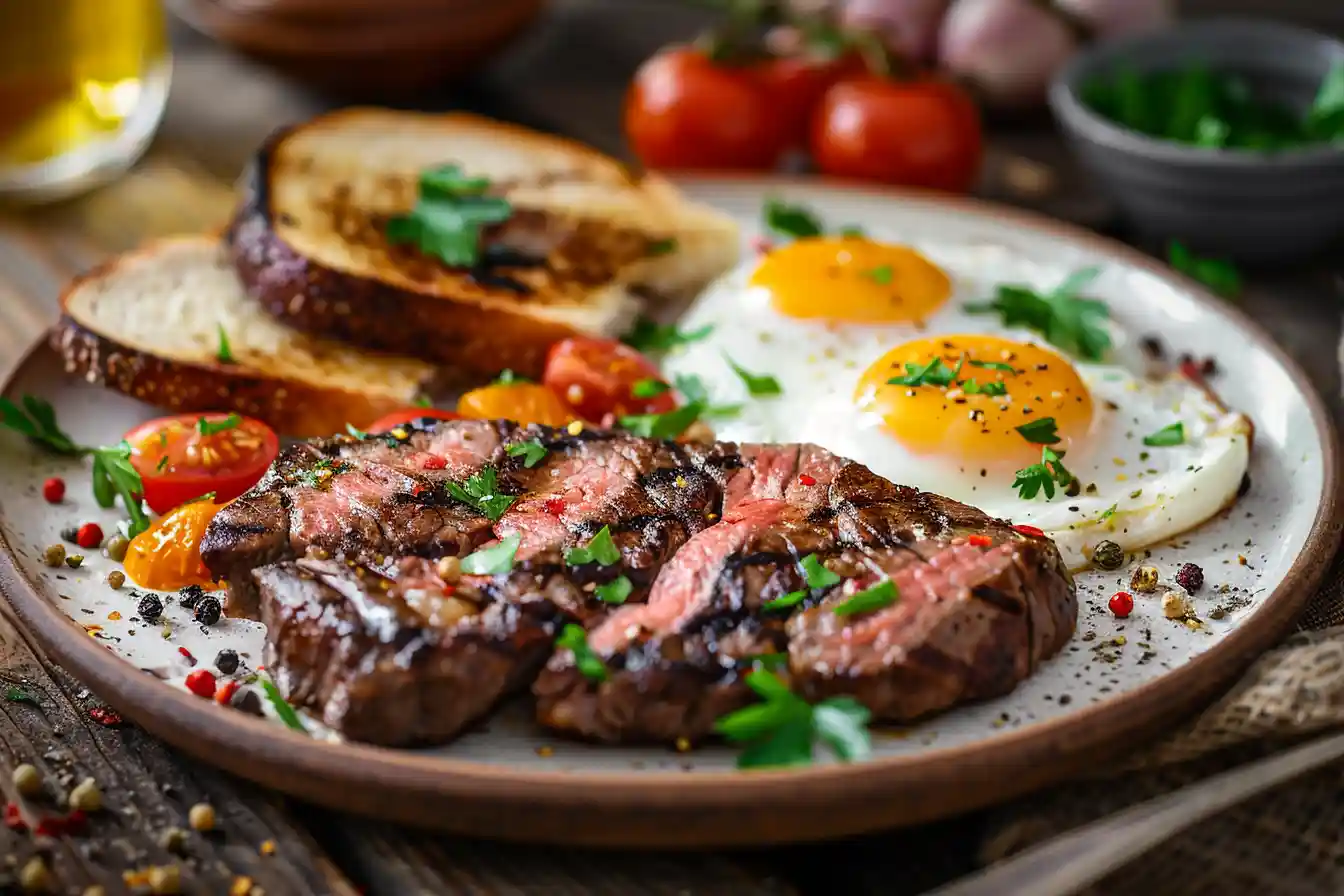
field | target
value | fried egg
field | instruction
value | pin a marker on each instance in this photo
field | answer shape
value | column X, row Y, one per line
column 877, row 361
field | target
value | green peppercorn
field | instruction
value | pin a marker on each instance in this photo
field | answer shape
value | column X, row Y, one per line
column 116, row 547
column 74, row 561
column 1108, row 555
column 54, row 555
column 116, row 578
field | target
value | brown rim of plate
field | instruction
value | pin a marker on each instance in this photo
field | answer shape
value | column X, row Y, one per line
column 705, row 809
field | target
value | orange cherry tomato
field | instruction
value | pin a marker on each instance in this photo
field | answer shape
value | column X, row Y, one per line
column 684, row 110
column 795, row 86
column 183, row 457
column 601, row 376
column 167, row 555
column 406, row 415
column 523, row 402
column 923, row 133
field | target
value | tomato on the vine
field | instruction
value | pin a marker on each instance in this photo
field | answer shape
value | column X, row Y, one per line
column 922, row 133
column 183, row 457
column 406, row 415
column 601, row 376
column 795, row 85
column 685, row 110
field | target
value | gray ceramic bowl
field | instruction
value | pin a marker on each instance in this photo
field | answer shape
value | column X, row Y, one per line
column 1256, row 207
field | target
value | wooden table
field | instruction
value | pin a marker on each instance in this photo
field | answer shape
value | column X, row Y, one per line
column 566, row 76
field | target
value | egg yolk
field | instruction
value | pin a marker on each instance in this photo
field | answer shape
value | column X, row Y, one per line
column 971, row 402
column 852, row 279
column 167, row 555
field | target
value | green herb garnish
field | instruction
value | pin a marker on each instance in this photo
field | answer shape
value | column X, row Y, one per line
column 874, row 597
column 1043, row 476
column 995, row 365
column 481, row 491
column 283, row 710
column 15, row 695
column 815, row 574
column 758, row 385
column 354, row 432
column 649, row 388
column 449, row 216
column 37, row 421
column 1220, row 276
column 494, row 560
column 792, row 221
column 423, row 401
column 661, row 247
column 881, row 275
column 1108, row 513
column 615, row 591
column 211, row 427
column 1166, row 437
column 224, row 352
column 574, row 639
column 1041, row 431
column 695, row 390
column 600, row 550
column 992, row 388
column 648, row 336
column 782, row 729
column 507, row 378
column 1075, row 324
column 321, row 471
column 161, row 465
column 531, row 451
column 668, row 425
column 934, row 373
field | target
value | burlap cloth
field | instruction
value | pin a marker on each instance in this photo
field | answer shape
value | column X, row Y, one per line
column 1289, row 841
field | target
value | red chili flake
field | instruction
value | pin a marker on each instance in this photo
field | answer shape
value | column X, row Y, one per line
column 225, row 692
column 90, row 535
column 14, row 818
column 434, row 462
column 104, row 716
column 979, row 541
column 807, row 480
column 417, row 490
column 53, row 490
column 187, row 653
column 201, row 683
column 760, row 245
column 1191, row 370
column 1122, row 604
column 1029, row 530
column 57, row 825
column 554, row 506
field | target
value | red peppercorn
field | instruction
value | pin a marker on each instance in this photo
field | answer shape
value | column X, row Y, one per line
column 225, row 692
column 1190, row 577
column 90, row 535
column 807, row 480
column 53, row 490
column 187, row 654
column 1029, row 530
column 201, row 683
column 1122, row 604
column 434, row 462
column 979, row 541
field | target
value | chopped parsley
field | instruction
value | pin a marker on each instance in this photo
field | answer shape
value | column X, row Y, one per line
column 649, row 388
column 1166, row 437
column 224, row 352
column 600, row 550
column 615, row 591
column 661, row 247
column 15, row 695
column 934, row 373
column 874, row 597
column 161, row 465
column 211, row 427
column 531, row 451
column 782, row 729
column 648, row 336
column 283, row 710
column 792, row 221
column 1218, row 275
column 1077, row 325
column 449, row 215
column 481, row 491
column 995, row 365
column 1108, row 513
column 37, row 420
column 574, row 639
column 507, row 378
column 494, row 560
column 423, row 401
column 663, row 426
column 993, row 387
column 1042, row 431
column 815, row 574
column 1043, row 476
column 355, row 432
column 881, row 275
column 758, row 385
column 695, row 390
column 321, row 471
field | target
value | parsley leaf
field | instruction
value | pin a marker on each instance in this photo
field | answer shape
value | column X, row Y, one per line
column 973, row 387
column 875, row 597
column 423, row 401
column 211, row 427
column 448, row 217
column 648, row 336
column 224, row 353
column 1041, row 431
column 494, row 560
column 995, row 365
column 697, row 392
column 815, row 574
column 1218, row 275
column 791, row 221
column 37, row 421
column 661, row 247
column 649, row 388
column 1074, row 324
column 881, row 275
column 1108, row 513
column 481, row 492
column 934, row 373
column 600, row 550
column 531, row 451
column 1166, row 437
column 354, row 432
column 615, row 591
column 574, row 639
column 758, row 385
column 15, row 695
column 663, row 426
column 782, row 729
column 1045, row 475
column 113, row 476
column 283, row 710
column 507, row 378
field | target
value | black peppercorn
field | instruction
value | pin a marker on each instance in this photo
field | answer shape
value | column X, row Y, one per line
column 1190, row 577
column 246, row 700
column 207, row 610
column 150, row 607
column 226, row 661
column 1108, row 555
column 190, row 595
column 70, row 534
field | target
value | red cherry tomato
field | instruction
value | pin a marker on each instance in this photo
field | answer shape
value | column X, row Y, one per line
column 406, row 415
column 601, row 376
column 923, row 133
column 685, row 111
column 184, row 457
column 795, row 86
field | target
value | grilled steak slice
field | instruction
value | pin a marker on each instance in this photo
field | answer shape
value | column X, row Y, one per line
column 971, row 621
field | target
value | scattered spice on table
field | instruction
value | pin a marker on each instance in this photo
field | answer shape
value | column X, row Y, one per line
column 186, row 654
column 15, row 695
column 74, row 561
column 208, row 610
column 226, row 661
column 53, row 490
column 201, row 683
column 174, row 840
column 27, row 780
column 267, row 848
column 115, row 579
column 53, row 554
column 106, row 717
column 150, row 607
column 89, row 535
column 116, row 547
column 201, row 817
column 86, row 797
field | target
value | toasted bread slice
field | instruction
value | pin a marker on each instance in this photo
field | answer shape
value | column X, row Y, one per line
column 587, row 243
column 148, row 324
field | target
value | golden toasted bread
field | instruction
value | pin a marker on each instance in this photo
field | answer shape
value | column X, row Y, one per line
column 149, row 324
column 585, row 246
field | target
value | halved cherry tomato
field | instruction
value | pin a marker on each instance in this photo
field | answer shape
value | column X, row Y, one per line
column 684, row 110
column 598, row 377
column 523, row 402
column 183, row 457
column 406, row 415
column 922, row 133
column 167, row 555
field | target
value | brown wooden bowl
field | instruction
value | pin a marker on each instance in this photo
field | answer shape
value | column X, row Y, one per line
column 364, row 48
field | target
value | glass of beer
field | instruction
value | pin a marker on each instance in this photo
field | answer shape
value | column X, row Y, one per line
column 82, row 88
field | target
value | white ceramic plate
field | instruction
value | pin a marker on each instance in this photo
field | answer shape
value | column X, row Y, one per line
column 1116, row 681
